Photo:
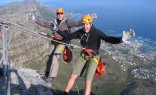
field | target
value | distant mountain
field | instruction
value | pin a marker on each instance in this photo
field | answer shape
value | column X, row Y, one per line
column 26, row 47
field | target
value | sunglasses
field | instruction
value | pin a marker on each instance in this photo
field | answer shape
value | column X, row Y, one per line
column 60, row 13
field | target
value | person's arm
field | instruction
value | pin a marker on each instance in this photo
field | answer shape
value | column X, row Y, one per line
column 69, row 36
column 43, row 23
column 72, row 23
column 109, row 39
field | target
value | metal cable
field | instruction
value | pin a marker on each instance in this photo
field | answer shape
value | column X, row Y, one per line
column 31, row 31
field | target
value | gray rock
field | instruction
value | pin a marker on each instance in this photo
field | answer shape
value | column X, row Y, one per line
column 24, row 81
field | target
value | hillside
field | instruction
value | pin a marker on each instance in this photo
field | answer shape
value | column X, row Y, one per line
column 25, row 47
column 28, row 54
column 24, row 81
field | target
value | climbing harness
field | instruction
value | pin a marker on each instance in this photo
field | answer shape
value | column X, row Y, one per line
column 87, row 54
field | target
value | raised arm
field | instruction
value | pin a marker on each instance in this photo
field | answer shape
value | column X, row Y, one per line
column 72, row 23
column 109, row 39
column 116, row 40
column 44, row 23
column 69, row 36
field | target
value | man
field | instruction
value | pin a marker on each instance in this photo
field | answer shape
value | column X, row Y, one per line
column 59, row 24
column 90, row 39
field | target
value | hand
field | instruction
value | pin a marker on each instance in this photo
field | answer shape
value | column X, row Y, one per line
column 128, row 35
column 57, row 37
column 94, row 16
column 33, row 18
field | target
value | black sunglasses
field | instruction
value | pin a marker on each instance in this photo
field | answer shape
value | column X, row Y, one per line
column 60, row 13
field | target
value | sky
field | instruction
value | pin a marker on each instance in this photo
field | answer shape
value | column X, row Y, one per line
column 120, row 2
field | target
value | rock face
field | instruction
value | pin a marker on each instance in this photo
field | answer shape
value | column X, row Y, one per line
column 25, row 81
column 25, row 47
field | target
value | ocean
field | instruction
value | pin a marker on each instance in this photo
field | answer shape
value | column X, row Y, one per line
column 115, row 16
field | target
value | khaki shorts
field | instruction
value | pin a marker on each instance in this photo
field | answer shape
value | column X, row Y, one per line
column 86, row 68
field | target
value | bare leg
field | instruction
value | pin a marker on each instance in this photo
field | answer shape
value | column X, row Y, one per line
column 88, row 87
column 70, row 83
column 89, row 77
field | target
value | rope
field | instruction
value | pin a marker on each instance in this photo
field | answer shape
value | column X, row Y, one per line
column 31, row 31
column 78, row 91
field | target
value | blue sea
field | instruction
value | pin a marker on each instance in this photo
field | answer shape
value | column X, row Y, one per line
column 114, row 16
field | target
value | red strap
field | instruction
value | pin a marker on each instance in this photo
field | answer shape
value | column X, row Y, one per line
column 88, row 52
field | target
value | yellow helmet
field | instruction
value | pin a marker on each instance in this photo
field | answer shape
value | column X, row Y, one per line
column 86, row 19
column 60, row 10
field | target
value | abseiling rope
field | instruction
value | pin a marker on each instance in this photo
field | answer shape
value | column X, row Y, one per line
column 31, row 31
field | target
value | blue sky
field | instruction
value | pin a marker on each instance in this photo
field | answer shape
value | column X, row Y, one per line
column 120, row 2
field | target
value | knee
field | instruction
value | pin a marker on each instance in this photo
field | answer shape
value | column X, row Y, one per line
column 73, row 77
column 88, row 82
